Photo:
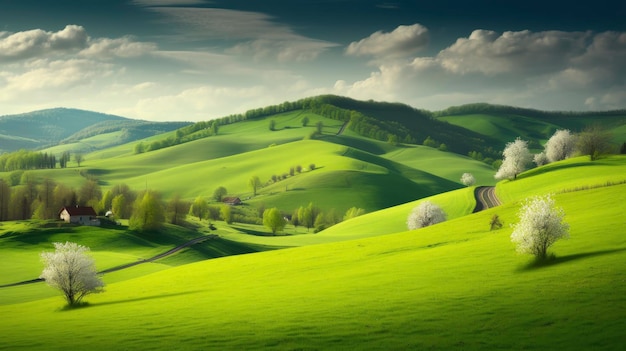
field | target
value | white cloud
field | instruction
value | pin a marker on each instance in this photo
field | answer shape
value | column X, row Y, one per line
column 513, row 52
column 37, row 42
column 401, row 42
column 120, row 47
column 198, row 103
column 535, row 69
column 55, row 77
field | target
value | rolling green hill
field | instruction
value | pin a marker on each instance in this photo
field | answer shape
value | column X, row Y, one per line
column 365, row 283
column 448, row 286
column 45, row 128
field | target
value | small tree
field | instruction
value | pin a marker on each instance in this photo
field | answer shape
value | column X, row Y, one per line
column 219, row 193
column 226, row 214
column 199, row 208
column 540, row 159
column 561, row 145
column 319, row 127
column 516, row 157
column 118, row 206
column 312, row 167
column 540, row 225
column 305, row 121
column 72, row 271
column 148, row 212
column 595, row 142
column 78, row 157
column 255, row 184
column 177, row 209
column 495, row 222
column 274, row 220
column 353, row 212
column 468, row 179
column 425, row 214
column 272, row 125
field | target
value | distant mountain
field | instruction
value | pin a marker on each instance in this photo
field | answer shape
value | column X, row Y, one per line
column 45, row 128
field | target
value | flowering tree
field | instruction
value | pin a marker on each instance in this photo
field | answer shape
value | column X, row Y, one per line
column 560, row 146
column 540, row 225
column 516, row 157
column 71, row 270
column 468, row 179
column 425, row 214
column 540, row 159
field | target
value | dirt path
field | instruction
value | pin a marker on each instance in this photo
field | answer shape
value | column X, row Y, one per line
column 485, row 198
column 343, row 127
column 132, row 264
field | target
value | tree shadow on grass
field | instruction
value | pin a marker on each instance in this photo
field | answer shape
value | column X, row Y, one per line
column 554, row 260
column 251, row 231
column 108, row 303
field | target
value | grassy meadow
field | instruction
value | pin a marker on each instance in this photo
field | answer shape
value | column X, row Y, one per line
column 452, row 285
column 365, row 283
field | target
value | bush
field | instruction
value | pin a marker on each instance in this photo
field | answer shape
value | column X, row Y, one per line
column 424, row 215
column 541, row 224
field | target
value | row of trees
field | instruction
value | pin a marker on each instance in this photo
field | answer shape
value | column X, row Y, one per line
column 43, row 200
column 593, row 141
column 28, row 160
column 541, row 223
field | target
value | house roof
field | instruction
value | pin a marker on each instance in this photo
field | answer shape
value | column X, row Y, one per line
column 80, row 211
column 230, row 200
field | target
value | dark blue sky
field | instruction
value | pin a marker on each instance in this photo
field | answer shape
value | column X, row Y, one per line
column 196, row 59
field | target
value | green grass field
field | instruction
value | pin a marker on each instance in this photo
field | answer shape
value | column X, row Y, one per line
column 444, row 287
column 366, row 283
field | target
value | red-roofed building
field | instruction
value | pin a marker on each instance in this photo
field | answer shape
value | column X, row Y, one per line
column 79, row 215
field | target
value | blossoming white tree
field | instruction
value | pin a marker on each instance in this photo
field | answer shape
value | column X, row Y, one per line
column 540, row 225
column 72, row 271
column 425, row 214
column 516, row 157
column 540, row 159
column 561, row 145
column 468, row 179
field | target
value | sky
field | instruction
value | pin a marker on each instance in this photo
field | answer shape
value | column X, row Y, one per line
column 194, row 60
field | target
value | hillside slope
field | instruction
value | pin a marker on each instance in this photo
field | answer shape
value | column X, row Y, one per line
column 448, row 286
column 43, row 128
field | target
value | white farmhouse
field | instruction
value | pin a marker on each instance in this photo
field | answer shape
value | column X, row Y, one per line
column 79, row 215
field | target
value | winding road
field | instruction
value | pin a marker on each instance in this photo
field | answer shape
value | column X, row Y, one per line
column 128, row 265
column 485, row 198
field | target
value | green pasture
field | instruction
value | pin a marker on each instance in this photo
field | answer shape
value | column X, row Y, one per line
column 507, row 127
column 446, row 165
column 455, row 285
column 564, row 176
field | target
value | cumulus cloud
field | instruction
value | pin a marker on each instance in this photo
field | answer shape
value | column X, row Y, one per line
column 522, row 68
column 36, row 42
column 491, row 53
column 124, row 47
column 56, row 75
column 401, row 42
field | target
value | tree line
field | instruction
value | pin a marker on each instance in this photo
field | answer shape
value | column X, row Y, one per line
column 23, row 160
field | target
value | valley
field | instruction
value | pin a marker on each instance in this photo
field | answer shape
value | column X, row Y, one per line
column 364, row 282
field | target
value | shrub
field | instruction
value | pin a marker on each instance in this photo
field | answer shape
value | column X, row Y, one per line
column 541, row 224
column 425, row 214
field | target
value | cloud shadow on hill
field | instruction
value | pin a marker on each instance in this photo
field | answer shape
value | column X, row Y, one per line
column 554, row 260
